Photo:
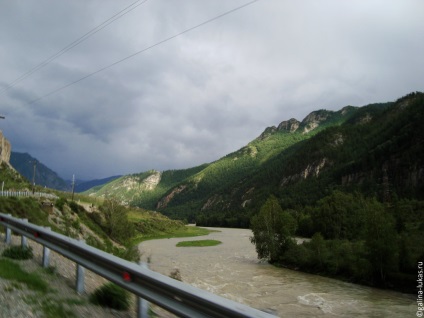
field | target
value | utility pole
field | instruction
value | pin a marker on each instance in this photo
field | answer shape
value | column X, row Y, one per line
column 1, row 151
column 33, row 176
column 73, row 186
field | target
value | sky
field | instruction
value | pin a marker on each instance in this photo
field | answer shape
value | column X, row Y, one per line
column 95, row 88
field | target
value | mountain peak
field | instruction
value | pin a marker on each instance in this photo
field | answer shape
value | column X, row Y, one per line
column 267, row 132
column 309, row 123
column 290, row 125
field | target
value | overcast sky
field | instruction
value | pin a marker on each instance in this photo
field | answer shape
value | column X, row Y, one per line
column 190, row 98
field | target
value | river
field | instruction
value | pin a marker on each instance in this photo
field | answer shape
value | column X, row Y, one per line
column 232, row 270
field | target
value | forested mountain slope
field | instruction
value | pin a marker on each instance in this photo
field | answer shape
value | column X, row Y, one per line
column 299, row 162
column 378, row 151
column 374, row 149
column 183, row 193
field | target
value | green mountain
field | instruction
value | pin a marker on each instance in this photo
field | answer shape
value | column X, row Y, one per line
column 374, row 149
column 44, row 176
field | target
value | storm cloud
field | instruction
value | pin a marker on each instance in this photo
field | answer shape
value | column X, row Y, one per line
column 186, row 99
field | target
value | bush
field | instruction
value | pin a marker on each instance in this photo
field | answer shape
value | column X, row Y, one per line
column 60, row 203
column 18, row 252
column 112, row 296
column 75, row 207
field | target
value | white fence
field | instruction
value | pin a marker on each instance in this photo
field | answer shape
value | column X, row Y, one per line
column 28, row 194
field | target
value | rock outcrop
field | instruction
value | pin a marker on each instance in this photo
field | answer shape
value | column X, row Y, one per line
column 290, row 125
column 5, row 149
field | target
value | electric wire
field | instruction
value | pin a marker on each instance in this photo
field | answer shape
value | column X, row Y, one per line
column 143, row 50
column 78, row 41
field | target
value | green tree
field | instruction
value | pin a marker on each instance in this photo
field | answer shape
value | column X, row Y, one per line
column 272, row 230
column 116, row 223
column 381, row 240
column 340, row 216
column 319, row 250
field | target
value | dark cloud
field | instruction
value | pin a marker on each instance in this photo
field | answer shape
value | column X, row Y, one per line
column 198, row 96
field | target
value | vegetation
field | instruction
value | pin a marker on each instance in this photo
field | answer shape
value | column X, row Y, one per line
column 153, row 225
column 272, row 230
column 116, row 223
column 25, row 208
column 12, row 271
column 367, row 244
column 12, row 180
column 50, row 306
column 18, row 252
column 200, row 243
column 211, row 180
column 112, row 296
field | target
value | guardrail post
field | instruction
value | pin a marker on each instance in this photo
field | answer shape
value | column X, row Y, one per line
column 142, row 304
column 80, row 275
column 46, row 254
column 8, row 237
column 24, row 241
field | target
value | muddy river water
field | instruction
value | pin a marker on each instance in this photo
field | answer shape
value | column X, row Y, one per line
column 232, row 270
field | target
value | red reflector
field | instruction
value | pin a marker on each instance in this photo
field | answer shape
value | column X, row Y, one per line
column 36, row 234
column 126, row 276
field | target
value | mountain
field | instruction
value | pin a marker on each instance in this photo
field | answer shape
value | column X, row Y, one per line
column 81, row 186
column 44, row 176
column 300, row 162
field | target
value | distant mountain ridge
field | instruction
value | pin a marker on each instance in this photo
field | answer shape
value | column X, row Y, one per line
column 81, row 186
column 44, row 176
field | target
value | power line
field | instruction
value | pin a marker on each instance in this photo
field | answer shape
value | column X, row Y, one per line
column 81, row 39
column 143, row 50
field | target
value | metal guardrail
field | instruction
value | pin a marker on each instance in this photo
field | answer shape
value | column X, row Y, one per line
column 175, row 296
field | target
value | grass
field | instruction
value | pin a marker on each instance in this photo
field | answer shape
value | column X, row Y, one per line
column 12, row 271
column 18, row 252
column 50, row 307
column 53, row 308
column 200, row 243
column 187, row 231
column 13, row 286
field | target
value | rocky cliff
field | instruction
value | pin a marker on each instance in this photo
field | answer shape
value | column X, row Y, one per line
column 5, row 150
